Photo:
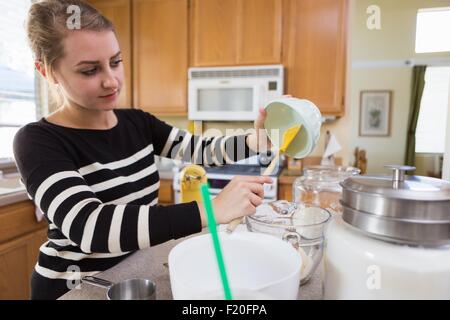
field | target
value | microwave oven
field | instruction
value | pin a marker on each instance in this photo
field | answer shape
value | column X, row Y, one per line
column 232, row 93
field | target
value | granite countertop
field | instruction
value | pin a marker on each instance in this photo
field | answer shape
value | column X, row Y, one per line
column 11, row 189
column 149, row 263
column 13, row 197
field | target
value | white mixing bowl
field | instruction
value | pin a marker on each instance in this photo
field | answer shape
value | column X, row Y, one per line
column 258, row 266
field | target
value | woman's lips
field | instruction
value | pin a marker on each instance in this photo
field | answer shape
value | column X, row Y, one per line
column 110, row 96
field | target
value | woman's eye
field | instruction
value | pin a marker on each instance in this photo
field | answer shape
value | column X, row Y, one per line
column 116, row 63
column 93, row 71
column 89, row 72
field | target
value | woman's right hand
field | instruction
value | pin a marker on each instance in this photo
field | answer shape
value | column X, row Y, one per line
column 239, row 198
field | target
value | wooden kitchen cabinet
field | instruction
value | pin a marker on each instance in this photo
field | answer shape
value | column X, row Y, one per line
column 165, row 193
column 18, row 219
column 119, row 12
column 285, row 183
column 160, row 39
column 21, row 237
column 314, row 52
column 260, row 26
column 235, row 32
column 285, row 192
column 160, row 56
column 213, row 32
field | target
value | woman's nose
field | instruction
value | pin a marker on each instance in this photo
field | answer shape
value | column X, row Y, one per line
column 109, row 80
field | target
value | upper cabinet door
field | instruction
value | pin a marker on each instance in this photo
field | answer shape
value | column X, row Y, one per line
column 119, row 12
column 315, row 52
column 160, row 56
column 213, row 32
column 235, row 32
column 259, row 37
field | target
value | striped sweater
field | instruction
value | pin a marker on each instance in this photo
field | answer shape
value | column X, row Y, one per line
column 98, row 190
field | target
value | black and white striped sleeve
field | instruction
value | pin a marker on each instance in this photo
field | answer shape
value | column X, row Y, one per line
column 177, row 144
column 56, row 186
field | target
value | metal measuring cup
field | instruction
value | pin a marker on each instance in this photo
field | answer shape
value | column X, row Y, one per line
column 131, row 289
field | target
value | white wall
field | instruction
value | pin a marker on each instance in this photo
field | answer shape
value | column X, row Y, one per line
column 372, row 52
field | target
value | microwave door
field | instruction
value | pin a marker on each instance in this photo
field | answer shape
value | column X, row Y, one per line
column 224, row 100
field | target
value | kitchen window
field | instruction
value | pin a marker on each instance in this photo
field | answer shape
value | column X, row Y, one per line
column 432, row 122
column 18, row 80
column 432, row 30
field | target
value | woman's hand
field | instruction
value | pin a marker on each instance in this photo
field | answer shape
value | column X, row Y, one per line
column 259, row 141
column 239, row 198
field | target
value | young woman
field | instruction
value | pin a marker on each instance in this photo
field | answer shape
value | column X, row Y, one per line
column 89, row 167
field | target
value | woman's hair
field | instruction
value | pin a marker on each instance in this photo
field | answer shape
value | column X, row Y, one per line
column 50, row 21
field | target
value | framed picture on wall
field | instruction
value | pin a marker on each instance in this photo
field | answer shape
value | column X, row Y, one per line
column 375, row 113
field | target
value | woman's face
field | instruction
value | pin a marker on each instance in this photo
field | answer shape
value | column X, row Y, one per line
column 91, row 72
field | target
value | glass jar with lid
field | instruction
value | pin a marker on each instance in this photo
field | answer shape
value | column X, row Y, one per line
column 392, row 240
column 320, row 186
column 300, row 225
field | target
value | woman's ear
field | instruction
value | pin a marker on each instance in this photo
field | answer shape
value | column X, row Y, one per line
column 42, row 70
column 40, row 67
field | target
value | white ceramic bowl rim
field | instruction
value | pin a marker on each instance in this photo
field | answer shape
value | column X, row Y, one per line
column 251, row 235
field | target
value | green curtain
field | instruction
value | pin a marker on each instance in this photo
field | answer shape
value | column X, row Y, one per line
column 418, row 83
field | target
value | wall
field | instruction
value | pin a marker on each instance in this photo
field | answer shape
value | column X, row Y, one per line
column 371, row 54
column 370, row 50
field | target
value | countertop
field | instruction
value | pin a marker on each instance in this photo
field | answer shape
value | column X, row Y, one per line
column 149, row 263
column 11, row 189
column 13, row 197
